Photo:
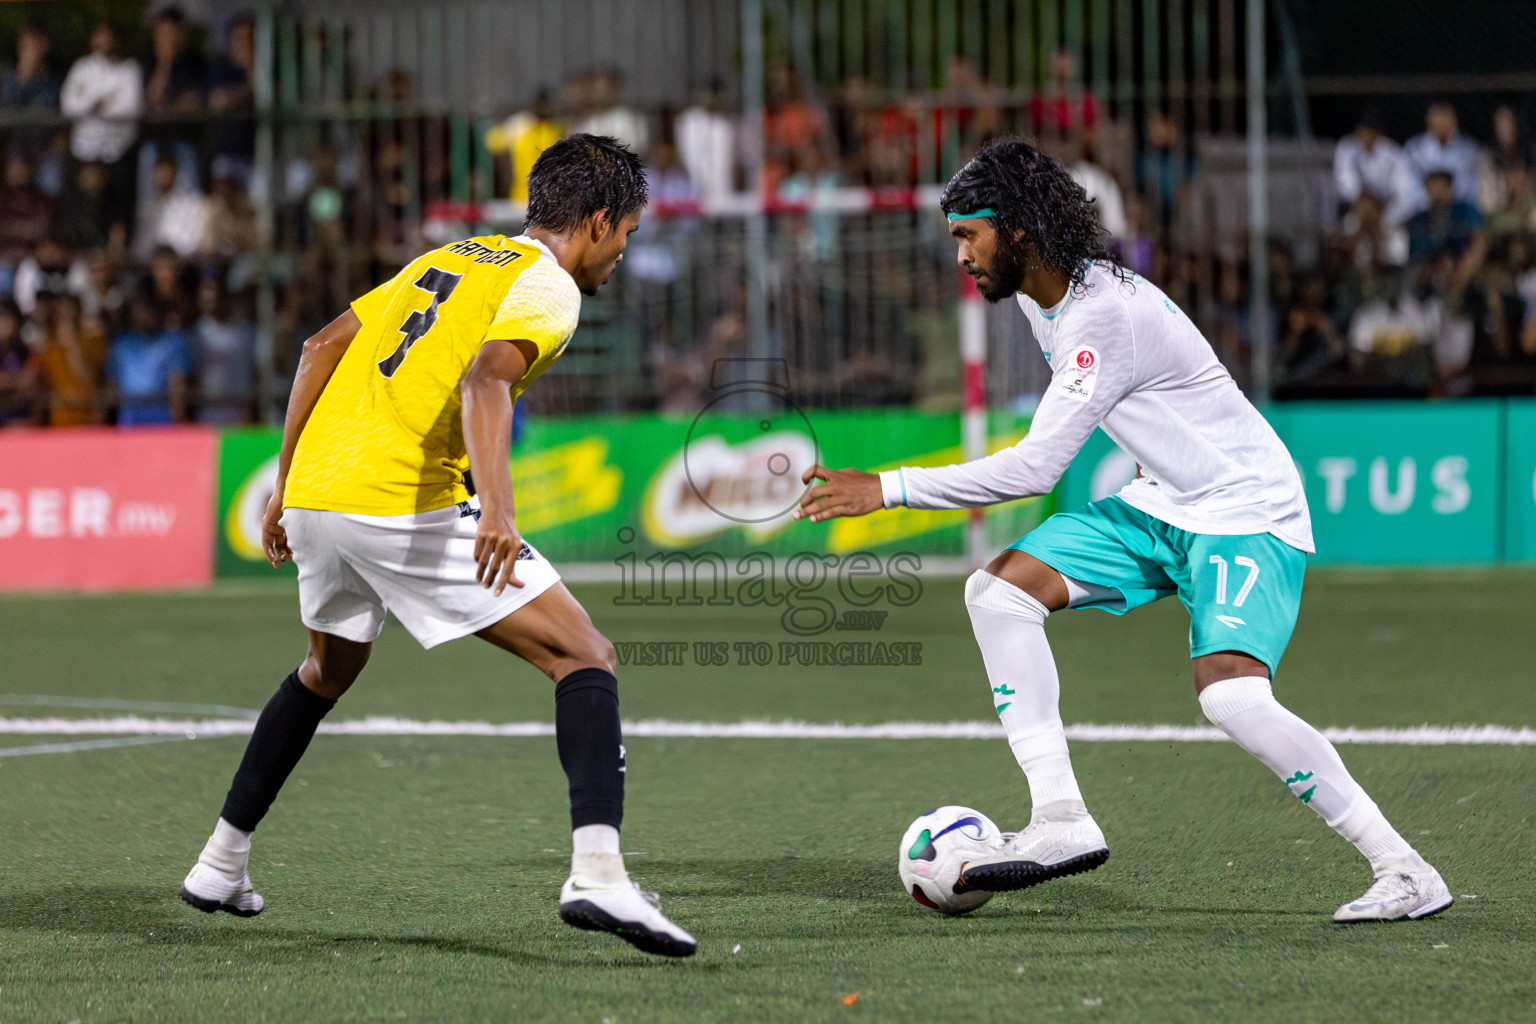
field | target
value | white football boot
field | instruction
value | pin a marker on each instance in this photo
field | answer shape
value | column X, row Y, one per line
column 1399, row 895
column 219, row 881
column 627, row 912
column 1060, row 840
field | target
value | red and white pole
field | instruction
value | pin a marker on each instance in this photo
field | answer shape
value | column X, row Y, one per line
column 973, row 416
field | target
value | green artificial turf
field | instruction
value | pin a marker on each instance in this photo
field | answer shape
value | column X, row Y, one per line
column 415, row 878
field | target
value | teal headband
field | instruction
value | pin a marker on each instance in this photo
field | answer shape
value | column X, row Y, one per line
column 985, row 211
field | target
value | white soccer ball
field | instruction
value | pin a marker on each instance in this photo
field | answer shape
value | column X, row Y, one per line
column 937, row 845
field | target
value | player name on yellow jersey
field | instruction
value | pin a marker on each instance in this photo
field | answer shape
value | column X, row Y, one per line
column 386, row 436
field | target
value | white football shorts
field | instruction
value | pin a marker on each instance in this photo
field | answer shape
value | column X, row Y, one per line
column 354, row 568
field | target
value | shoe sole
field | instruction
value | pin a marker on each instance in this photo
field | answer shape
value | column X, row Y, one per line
column 209, row 906
column 1412, row 915
column 588, row 916
column 1012, row 875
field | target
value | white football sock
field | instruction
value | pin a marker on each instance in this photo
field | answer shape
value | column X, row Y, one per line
column 1246, row 710
column 1010, row 629
column 595, row 855
column 228, row 849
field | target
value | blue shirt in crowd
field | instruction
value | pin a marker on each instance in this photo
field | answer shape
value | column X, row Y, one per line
column 141, row 365
column 1452, row 229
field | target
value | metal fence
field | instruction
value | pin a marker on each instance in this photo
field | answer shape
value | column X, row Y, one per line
column 371, row 120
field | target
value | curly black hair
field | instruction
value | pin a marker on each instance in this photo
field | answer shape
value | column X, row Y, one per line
column 580, row 175
column 1032, row 193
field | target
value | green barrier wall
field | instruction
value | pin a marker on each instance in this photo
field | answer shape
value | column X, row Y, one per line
column 1400, row 483
column 1388, row 483
column 600, row 489
column 1520, row 479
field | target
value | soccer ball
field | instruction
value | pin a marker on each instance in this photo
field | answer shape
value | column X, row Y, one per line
column 937, row 845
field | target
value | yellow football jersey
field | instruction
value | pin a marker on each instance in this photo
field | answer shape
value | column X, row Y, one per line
column 386, row 437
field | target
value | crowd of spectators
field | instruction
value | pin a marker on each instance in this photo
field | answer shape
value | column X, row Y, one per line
column 129, row 232
column 1424, row 283
column 1428, row 283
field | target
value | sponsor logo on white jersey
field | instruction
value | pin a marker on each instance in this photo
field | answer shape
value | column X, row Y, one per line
column 1081, row 374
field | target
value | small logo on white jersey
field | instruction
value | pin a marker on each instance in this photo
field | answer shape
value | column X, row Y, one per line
column 1081, row 374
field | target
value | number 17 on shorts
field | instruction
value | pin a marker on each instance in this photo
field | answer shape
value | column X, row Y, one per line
column 1243, row 595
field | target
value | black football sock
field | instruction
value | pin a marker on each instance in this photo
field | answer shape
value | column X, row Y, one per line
column 282, row 734
column 591, row 746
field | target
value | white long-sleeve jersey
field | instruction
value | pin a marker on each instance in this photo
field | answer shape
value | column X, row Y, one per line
column 1124, row 357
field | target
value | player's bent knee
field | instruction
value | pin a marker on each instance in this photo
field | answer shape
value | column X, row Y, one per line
column 592, row 650
column 603, row 655
column 1210, row 669
column 986, row 591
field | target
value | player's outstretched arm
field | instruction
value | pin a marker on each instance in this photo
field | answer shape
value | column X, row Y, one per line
column 846, row 492
column 322, row 352
column 487, row 396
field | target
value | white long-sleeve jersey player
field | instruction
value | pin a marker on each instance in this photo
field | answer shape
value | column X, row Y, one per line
column 1125, row 357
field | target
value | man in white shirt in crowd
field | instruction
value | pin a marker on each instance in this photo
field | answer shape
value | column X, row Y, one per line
column 171, row 214
column 1442, row 148
column 104, row 93
column 1217, row 516
column 1366, row 162
column 706, row 142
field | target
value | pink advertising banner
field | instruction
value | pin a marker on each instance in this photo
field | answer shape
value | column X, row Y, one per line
column 102, row 509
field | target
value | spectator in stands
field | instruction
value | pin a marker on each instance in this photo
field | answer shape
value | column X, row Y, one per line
column 1139, row 243
column 107, row 299
column 172, row 213
column 230, row 231
column 1069, row 109
column 20, row 376
column 1101, row 188
column 1162, row 170
column 172, row 284
column 1391, row 334
column 706, row 143
column 1516, row 214
column 73, row 352
column 85, row 218
column 25, row 214
column 667, row 181
column 175, row 84
column 226, row 347
column 518, row 141
column 1448, row 225
column 31, row 83
column 812, row 176
column 603, row 114
column 1501, row 297
column 52, row 269
column 32, row 88
column 1366, row 162
column 1525, row 287
column 232, row 101
column 889, row 142
column 105, row 94
column 148, row 367
column 792, row 122
column 970, row 114
column 1510, row 154
column 1369, row 238
column 1443, row 148
column 1310, row 344
column 1230, row 330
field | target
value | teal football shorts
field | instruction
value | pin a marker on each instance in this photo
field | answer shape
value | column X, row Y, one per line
column 1242, row 592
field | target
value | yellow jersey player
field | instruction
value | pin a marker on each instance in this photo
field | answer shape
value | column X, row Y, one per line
column 396, row 405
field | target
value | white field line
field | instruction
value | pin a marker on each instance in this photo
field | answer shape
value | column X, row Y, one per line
column 1424, row 735
column 70, row 748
